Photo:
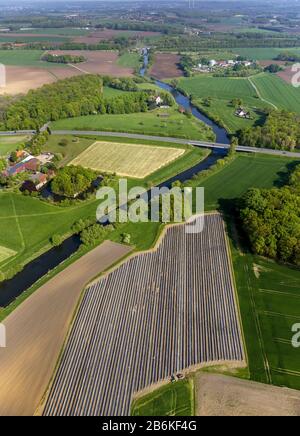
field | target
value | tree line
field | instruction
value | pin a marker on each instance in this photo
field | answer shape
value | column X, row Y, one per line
column 271, row 219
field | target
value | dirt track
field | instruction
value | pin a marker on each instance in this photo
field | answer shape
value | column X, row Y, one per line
column 218, row 395
column 37, row 329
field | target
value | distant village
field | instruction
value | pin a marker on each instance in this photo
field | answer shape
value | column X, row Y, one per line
column 213, row 65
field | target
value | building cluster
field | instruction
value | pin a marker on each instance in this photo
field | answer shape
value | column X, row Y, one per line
column 213, row 65
column 22, row 162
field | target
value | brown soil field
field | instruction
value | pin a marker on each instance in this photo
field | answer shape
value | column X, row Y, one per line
column 266, row 63
column 166, row 66
column 107, row 34
column 97, row 62
column 218, row 395
column 37, row 329
column 21, row 79
column 287, row 74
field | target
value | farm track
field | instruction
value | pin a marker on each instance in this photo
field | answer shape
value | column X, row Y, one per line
column 260, row 96
column 158, row 314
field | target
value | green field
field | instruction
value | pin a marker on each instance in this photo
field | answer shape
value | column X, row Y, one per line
column 28, row 39
column 64, row 31
column 269, row 297
column 24, row 58
column 174, row 399
column 11, row 143
column 261, row 54
column 245, row 171
column 148, row 123
column 68, row 152
column 279, row 92
column 109, row 92
column 130, row 60
column 259, row 92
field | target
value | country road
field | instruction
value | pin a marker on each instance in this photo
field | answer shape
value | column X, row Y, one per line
column 203, row 144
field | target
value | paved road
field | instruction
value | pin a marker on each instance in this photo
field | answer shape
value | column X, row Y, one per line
column 163, row 139
column 37, row 329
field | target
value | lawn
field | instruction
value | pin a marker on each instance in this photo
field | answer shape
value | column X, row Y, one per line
column 161, row 122
column 173, row 399
column 11, row 143
column 128, row 160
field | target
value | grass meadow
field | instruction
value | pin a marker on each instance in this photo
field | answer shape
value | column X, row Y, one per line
column 161, row 122
column 173, row 399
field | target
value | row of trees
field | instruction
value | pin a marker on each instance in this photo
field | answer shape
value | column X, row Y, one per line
column 281, row 131
column 63, row 58
column 224, row 41
column 271, row 219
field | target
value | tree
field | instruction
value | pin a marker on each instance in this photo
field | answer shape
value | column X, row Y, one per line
column 71, row 181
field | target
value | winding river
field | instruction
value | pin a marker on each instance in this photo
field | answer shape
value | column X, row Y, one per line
column 38, row 268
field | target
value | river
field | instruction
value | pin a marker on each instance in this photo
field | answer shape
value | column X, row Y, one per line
column 38, row 268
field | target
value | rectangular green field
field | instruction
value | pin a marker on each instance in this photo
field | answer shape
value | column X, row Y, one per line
column 24, row 58
column 129, row 160
column 269, row 296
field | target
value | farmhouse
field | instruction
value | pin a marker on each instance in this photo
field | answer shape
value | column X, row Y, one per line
column 35, row 182
column 242, row 113
column 158, row 100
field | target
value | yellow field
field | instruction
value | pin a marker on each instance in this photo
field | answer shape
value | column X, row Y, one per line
column 5, row 253
column 129, row 160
